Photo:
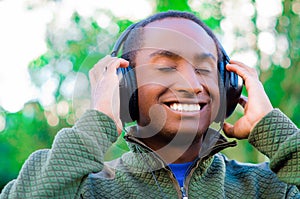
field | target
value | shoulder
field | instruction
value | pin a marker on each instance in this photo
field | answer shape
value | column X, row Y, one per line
column 255, row 180
column 37, row 157
column 236, row 167
column 247, row 173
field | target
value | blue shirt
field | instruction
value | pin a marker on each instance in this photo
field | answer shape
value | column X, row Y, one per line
column 179, row 170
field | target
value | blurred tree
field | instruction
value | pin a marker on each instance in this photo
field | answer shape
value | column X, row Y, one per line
column 165, row 5
column 61, row 73
column 282, row 80
column 26, row 131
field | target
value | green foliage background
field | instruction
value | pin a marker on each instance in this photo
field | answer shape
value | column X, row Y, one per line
column 69, row 59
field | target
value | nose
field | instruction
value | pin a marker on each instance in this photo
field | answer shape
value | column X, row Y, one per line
column 189, row 81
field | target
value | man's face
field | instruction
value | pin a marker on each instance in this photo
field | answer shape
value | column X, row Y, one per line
column 177, row 78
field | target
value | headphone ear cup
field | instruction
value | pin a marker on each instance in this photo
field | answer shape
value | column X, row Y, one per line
column 128, row 95
column 222, row 91
column 230, row 90
column 233, row 92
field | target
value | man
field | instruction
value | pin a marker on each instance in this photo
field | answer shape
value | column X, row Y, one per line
column 173, row 153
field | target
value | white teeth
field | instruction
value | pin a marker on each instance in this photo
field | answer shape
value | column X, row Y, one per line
column 185, row 107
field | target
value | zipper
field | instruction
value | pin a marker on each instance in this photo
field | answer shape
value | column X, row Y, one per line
column 189, row 171
column 177, row 187
column 217, row 147
column 183, row 192
column 175, row 182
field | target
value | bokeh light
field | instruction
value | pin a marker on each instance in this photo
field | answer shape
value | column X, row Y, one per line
column 48, row 46
column 2, row 122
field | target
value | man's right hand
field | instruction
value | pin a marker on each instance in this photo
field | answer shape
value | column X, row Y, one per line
column 105, row 94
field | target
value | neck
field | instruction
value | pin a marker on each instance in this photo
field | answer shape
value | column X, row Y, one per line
column 180, row 151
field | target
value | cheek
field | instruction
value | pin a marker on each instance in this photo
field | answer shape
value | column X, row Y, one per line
column 144, row 103
column 147, row 98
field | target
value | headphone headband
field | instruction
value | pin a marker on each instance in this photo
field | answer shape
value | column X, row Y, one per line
column 121, row 40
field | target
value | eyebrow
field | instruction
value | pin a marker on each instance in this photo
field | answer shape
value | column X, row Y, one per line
column 203, row 56
column 197, row 57
column 165, row 53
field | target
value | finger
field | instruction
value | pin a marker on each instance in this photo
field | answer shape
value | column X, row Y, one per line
column 111, row 68
column 93, row 78
column 232, row 67
column 123, row 63
column 241, row 64
column 243, row 101
column 100, row 67
column 240, row 68
column 114, row 64
column 103, row 62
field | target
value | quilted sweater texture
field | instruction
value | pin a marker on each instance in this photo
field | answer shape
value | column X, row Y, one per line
column 74, row 166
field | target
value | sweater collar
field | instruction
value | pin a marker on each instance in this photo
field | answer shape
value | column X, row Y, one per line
column 213, row 142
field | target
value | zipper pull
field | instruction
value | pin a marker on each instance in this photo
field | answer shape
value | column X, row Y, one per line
column 184, row 196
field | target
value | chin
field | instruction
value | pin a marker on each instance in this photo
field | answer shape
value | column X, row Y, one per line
column 184, row 135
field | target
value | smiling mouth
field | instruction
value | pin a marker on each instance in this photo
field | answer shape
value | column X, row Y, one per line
column 182, row 107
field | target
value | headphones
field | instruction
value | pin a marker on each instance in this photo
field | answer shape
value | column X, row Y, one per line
column 230, row 85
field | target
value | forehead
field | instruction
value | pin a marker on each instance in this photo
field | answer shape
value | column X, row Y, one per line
column 178, row 35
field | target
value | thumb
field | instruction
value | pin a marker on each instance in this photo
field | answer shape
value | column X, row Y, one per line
column 119, row 126
column 228, row 129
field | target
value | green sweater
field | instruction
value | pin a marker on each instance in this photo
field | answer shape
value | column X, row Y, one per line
column 74, row 166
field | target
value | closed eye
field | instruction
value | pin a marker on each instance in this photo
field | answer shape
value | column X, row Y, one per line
column 202, row 70
column 167, row 69
column 204, row 67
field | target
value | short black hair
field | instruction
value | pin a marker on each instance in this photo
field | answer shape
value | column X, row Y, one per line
column 135, row 38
